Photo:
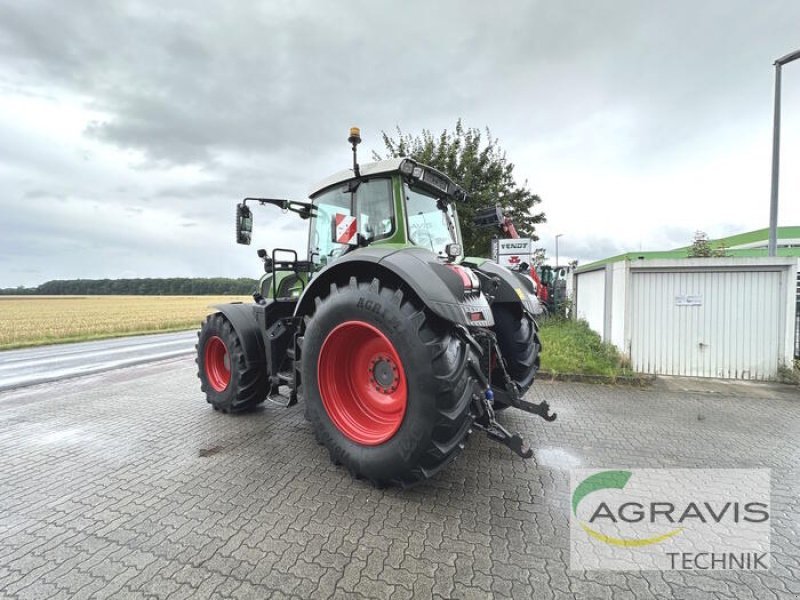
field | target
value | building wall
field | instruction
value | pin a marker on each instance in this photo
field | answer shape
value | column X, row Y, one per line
column 617, row 310
column 722, row 317
column 590, row 293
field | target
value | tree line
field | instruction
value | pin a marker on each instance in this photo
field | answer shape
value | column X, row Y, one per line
column 174, row 286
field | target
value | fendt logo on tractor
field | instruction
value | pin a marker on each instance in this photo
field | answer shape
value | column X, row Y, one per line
column 398, row 344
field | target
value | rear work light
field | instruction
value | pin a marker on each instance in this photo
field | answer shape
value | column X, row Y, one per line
column 468, row 278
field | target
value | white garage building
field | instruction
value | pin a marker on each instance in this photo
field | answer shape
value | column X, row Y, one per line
column 704, row 317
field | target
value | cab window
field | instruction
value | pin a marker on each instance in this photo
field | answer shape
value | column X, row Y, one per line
column 375, row 207
column 322, row 247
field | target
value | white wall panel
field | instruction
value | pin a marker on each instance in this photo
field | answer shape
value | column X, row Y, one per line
column 590, row 298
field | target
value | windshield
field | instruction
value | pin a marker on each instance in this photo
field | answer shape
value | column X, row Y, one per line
column 427, row 224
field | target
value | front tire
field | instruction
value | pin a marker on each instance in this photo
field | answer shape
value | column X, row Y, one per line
column 388, row 387
column 230, row 382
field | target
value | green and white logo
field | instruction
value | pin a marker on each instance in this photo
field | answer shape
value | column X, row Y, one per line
column 635, row 519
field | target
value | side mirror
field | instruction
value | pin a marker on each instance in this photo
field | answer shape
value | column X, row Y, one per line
column 244, row 224
column 344, row 230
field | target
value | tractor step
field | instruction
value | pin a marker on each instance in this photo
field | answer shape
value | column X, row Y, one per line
column 279, row 399
column 282, row 378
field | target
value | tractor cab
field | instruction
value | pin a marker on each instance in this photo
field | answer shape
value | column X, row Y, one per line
column 390, row 202
column 396, row 203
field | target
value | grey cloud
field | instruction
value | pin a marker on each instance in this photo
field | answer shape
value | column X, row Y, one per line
column 184, row 86
column 257, row 98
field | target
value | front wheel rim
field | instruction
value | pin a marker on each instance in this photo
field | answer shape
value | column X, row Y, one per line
column 217, row 364
column 362, row 383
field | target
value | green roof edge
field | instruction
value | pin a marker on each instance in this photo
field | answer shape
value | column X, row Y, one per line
column 732, row 240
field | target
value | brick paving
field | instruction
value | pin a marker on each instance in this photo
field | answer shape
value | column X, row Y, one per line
column 127, row 485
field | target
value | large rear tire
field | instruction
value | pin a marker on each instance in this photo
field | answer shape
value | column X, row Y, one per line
column 231, row 382
column 387, row 386
column 518, row 338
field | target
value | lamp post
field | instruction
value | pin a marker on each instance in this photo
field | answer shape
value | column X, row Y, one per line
column 557, row 236
column 776, row 151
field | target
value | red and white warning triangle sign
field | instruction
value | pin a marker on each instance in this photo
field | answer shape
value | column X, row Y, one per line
column 346, row 229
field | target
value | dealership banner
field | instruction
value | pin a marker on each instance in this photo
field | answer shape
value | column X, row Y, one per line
column 512, row 252
column 670, row 519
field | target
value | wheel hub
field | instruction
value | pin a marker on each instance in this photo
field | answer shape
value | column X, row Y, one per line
column 383, row 374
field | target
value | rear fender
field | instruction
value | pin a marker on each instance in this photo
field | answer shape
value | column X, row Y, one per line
column 415, row 269
column 508, row 286
column 245, row 324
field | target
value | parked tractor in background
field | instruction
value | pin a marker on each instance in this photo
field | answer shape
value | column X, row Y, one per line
column 398, row 345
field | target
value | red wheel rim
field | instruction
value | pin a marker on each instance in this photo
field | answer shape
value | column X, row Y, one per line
column 362, row 383
column 217, row 363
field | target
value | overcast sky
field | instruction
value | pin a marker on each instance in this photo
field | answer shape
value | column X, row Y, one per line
column 128, row 130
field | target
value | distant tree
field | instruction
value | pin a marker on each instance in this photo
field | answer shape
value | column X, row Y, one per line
column 702, row 247
column 480, row 166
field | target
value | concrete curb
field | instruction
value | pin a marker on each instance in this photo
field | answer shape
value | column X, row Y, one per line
column 631, row 380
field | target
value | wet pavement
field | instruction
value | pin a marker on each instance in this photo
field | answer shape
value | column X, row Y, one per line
column 127, row 485
column 43, row 364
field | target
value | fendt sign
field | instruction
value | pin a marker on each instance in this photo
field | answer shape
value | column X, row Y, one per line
column 511, row 253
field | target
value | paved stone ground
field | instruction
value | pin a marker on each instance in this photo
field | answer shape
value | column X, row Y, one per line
column 127, row 485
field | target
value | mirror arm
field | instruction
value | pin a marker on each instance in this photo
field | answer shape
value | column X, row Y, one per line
column 304, row 209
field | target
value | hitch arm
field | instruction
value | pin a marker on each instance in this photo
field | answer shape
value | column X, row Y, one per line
column 304, row 209
column 498, row 433
column 542, row 409
column 515, row 399
column 487, row 423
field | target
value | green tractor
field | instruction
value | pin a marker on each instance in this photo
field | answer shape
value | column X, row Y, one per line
column 398, row 345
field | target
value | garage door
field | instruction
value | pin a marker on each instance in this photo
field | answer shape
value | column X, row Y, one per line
column 709, row 324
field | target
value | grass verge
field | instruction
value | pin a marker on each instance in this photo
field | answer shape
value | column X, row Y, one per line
column 791, row 374
column 571, row 347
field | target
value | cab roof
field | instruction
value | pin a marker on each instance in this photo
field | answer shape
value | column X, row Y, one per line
column 367, row 169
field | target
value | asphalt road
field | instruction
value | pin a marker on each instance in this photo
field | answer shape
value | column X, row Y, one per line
column 126, row 484
column 31, row 366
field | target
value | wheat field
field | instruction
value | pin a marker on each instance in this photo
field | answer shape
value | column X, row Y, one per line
column 37, row 320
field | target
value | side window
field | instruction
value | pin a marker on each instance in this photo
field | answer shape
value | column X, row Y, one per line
column 322, row 247
column 375, row 208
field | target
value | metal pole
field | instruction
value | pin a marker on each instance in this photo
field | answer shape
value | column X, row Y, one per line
column 776, row 151
column 558, row 236
column 772, row 247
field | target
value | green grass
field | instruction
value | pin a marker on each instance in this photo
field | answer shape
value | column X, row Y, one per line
column 790, row 374
column 571, row 347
